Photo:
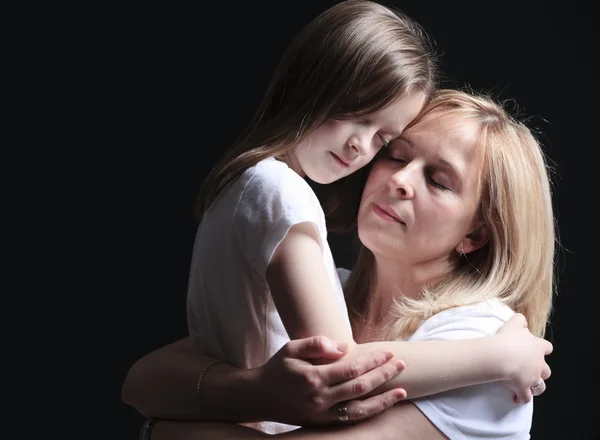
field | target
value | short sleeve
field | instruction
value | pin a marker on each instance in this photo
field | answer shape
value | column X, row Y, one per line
column 477, row 412
column 343, row 275
column 273, row 200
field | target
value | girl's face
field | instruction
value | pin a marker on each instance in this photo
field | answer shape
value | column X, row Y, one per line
column 340, row 147
column 420, row 201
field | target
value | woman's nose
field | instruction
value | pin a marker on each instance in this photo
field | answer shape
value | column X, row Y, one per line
column 401, row 182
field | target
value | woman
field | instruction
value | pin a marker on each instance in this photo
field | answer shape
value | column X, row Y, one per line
column 457, row 233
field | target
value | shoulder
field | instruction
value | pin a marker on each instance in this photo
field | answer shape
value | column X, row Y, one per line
column 272, row 182
column 272, row 172
column 478, row 412
column 270, row 199
column 485, row 410
column 480, row 319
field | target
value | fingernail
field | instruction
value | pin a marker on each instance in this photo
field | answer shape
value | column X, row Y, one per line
column 400, row 365
column 400, row 393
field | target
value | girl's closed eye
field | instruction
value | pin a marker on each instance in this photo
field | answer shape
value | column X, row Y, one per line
column 386, row 143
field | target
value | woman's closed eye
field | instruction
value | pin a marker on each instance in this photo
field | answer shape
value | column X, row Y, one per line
column 391, row 154
column 436, row 182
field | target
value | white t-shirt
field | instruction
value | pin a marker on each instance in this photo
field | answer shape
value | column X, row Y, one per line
column 478, row 412
column 482, row 411
column 230, row 311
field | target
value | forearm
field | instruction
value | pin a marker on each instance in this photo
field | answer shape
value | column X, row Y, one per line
column 164, row 430
column 163, row 384
column 436, row 366
column 401, row 422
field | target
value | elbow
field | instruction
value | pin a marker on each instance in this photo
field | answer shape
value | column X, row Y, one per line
column 131, row 391
column 127, row 390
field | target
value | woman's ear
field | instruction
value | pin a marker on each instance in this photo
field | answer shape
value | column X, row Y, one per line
column 473, row 241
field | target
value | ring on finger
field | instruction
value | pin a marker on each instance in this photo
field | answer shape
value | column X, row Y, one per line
column 342, row 413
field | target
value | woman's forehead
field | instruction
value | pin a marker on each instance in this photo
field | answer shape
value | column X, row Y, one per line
column 446, row 123
column 445, row 117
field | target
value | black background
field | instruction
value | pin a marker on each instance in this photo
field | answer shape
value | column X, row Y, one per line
column 172, row 86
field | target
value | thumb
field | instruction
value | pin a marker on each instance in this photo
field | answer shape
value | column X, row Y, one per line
column 316, row 347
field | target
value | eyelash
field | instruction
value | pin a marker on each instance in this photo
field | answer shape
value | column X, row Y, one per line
column 367, row 122
column 438, row 185
column 385, row 143
column 433, row 182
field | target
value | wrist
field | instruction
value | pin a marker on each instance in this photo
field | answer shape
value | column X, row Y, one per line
column 499, row 359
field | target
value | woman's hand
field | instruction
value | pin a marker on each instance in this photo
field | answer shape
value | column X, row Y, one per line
column 526, row 367
column 309, row 383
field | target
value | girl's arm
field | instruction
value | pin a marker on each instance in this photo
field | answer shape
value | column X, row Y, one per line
column 512, row 355
column 290, row 388
column 308, row 306
column 302, row 290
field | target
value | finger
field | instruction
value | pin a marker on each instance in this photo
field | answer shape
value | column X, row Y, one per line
column 362, row 409
column 539, row 388
column 346, row 370
column 549, row 348
column 546, row 372
column 524, row 396
column 366, row 383
column 315, row 347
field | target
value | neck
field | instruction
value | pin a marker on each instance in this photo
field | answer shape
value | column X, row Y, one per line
column 395, row 280
column 291, row 161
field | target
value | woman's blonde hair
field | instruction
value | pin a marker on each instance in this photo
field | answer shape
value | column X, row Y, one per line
column 351, row 60
column 517, row 264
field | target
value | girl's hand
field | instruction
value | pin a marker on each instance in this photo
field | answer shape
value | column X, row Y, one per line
column 526, row 366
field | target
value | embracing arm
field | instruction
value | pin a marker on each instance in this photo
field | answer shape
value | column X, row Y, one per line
column 163, row 384
column 307, row 304
column 512, row 355
column 485, row 410
column 402, row 422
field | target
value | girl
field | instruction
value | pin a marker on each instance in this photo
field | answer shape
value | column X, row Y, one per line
column 262, row 270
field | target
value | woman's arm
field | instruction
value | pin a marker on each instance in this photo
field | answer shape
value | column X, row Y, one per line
column 308, row 306
column 289, row 388
column 402, row 422
column 162, row 383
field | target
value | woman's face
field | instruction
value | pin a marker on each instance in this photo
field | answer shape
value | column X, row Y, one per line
column 420, row 200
